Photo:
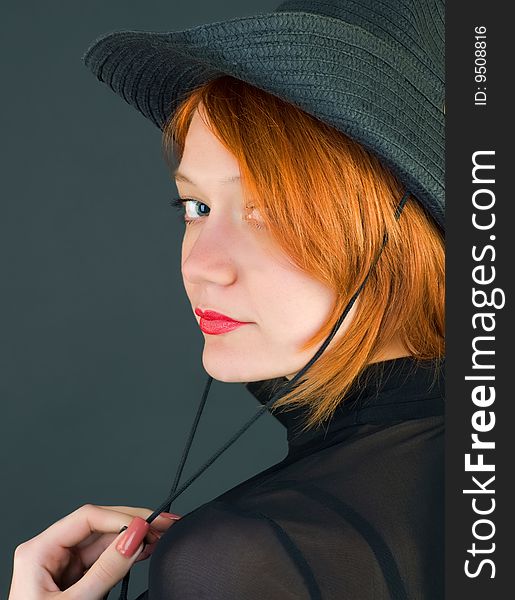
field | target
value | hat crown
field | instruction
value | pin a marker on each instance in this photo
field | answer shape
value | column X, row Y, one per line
column 417, row 26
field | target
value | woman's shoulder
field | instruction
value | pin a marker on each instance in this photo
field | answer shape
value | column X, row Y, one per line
column 222, row 551
column 225, row 552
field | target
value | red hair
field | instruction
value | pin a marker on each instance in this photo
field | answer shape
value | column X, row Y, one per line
column 327, row 202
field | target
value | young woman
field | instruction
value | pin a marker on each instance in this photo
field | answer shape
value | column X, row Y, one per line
column 317, row 277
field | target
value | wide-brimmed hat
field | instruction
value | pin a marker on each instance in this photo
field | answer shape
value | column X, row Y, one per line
column 372, row 69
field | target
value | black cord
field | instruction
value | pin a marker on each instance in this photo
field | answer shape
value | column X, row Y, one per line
column 166, row 506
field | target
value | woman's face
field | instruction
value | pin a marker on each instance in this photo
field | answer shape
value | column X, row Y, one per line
column 232, row 267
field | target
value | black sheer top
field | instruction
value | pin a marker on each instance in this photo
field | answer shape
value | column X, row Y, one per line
column 355, row 511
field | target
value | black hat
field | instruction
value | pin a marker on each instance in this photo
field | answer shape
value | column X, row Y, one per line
column 374, row 70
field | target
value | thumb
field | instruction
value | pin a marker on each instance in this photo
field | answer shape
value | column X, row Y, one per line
column 113, row 564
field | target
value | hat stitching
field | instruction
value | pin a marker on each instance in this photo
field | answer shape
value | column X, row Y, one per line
column 411, row 7
column 339, row 77
column 260, row 42
column 375, row 118
column 148, row 89
column 317, row 88
column 116, row 60
column 408, row 88
column 137, row 81
column 402, row 149
column 261, row 45
column 432, row 29
column 421, row 54
column 121, row 84
column 387, row 72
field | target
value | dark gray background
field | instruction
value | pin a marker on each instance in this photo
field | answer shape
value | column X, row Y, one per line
column 101, row 369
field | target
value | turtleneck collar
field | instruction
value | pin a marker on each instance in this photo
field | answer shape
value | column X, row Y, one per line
column 388, row 391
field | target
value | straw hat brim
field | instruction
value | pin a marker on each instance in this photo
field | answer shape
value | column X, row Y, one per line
column 375, row 91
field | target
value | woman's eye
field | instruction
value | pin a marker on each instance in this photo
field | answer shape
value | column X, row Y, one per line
column 183, row 204
column 191, row 209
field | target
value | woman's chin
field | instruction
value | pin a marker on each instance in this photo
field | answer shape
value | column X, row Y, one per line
column 222, row 367
column 229, row 368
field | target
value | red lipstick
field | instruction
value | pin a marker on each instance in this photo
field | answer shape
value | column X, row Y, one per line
column 216, row 323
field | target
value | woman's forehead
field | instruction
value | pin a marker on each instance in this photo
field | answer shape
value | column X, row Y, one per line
column 206, row 159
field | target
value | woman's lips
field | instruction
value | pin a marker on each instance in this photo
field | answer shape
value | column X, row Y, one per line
column 216, row 323
column 217, row 327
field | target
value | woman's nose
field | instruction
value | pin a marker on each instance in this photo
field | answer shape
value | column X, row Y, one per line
column 211, row 254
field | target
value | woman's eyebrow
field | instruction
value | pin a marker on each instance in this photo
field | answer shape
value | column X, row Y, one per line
column 178, row 176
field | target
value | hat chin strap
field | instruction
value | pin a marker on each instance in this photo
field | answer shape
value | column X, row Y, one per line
column 174, row 492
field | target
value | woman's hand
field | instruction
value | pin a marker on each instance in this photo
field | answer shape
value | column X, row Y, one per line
column 76, row 558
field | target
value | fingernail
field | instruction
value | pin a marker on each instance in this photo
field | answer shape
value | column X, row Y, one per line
column 168, row 515
column 133, row 536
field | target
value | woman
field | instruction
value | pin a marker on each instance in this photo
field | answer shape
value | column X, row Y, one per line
column 303, row 226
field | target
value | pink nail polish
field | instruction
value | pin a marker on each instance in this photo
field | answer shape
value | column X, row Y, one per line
column 133, row 536
column 168, row 515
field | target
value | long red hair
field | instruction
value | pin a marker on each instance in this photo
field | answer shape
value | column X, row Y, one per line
column 327, row 202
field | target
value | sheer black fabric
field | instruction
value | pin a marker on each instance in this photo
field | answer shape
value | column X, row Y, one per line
column 354, row 511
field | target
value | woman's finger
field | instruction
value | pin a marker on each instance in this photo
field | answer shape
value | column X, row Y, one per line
column 112, row 565
column 75, row 527
column 160, row 523
column 135, row 511
column 92, row 551
column 89, row 519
